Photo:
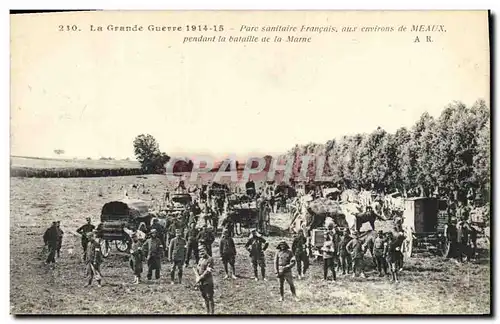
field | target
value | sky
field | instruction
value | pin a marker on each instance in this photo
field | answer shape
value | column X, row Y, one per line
column 91, row 93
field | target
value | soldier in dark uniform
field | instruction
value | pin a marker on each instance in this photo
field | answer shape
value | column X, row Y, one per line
column 299, row 249
column 206, row 238
column 256, row 246
column 355, row 248
column 60, row 234
column 451, row 236
column 204, row 279
column 345, row 256
column 83, row 231
column 50, row 239
column 227, row 251
column 94, row 260
column 463, row 241
column 160, row 232
column 177, row 255
column 284, row 261
column 391, row 252
column 378, row 253
column 136, row 258
column 155, row 251
column 228, row 223
column 192, row 244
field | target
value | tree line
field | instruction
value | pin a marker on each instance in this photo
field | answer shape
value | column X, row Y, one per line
column 448, row 156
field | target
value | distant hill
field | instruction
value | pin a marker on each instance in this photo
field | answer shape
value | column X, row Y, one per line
column 21, row 162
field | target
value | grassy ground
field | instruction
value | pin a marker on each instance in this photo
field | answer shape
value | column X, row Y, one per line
column 45, row 163
column 429, row 285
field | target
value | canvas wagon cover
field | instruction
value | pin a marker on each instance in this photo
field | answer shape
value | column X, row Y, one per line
column 133, row 208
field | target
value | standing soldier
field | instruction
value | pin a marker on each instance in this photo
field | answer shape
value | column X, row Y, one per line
column 192, row 244
column 345, row 256
column 94, row 260
column 378, row 253
column 206, row 238
column 451, row 236
column 227, row 253
column 355, row 248
column 60, row 235
column 256, row 246
column 155, row 251
column 83, row 231
column 299, row 249
column 463, row 241
column 204, row 279
column 228, row 223
column 391, row 249
column 177, row 255
column 284, row 261
column 160, row 232
column 50, row 239
column 136, row 257
column 328, row 250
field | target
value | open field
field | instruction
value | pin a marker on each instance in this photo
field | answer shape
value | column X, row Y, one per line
column 46, row 163
column 429, row 285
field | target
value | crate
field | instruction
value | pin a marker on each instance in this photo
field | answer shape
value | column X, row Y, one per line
column 318, row 237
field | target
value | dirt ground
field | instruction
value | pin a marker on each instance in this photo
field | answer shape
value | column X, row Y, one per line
column 429, row 284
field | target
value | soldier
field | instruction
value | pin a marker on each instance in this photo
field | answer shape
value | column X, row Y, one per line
column 228, row 224
column 177, row 255
column 83, row 231
column 60, row 234
column 204, row 279
column 355, row 248
column 299, row 249
column 50, row 239
column 192, row 244
column 329, row 251
column 160, row 232
column 451, row 236
column 206, row 238
column 155, row 251
column 463, row 241
column 256, row 246
column 391, row 249
column 94, row 260
column 284, row 261
column 378, row 253
column 345, row 256
column 227, row 253
column 136, row 257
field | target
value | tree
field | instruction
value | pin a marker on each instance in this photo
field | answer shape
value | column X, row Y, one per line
column 147, row 152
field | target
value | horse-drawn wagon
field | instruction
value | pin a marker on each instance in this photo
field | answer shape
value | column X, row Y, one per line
column 424, row 225
column 118, row 215
column 249, row 213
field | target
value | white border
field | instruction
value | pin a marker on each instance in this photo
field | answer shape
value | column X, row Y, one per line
column 193, row 5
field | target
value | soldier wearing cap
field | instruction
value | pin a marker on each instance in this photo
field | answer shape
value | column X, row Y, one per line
column 50, row 238
column 256, row 246
column 299, row 249
column 378, row 253
column 94, row 260
column 345, row 256
column 160, row 231
column 227, row 251
column 192, row 244
column 329, row 252
column 284, row 261
column 206, row 238
column 136, row 258
column 392, row 254
column 155, row 251
column 355, row 248
column 177, row 255
column 204, row 279
column 83, row 231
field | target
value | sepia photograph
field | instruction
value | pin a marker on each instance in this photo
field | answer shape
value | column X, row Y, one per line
column 250, row 163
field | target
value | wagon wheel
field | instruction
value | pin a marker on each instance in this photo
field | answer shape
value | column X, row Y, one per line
column 123, row 245
column 105, row 248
